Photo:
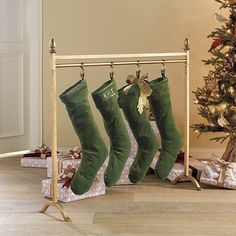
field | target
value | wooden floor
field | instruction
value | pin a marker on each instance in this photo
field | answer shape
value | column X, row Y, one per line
column 149, row 208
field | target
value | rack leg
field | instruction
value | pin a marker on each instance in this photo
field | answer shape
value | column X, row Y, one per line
column 59, row 207
column 188, row 178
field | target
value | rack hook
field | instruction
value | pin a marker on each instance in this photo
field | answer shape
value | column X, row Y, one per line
column 138, row 70
column 163, row 69
column 82, row 71
column 112, row 70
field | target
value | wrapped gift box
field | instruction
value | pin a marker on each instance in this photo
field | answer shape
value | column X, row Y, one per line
column 34, row 162
column 63, row 162
column 195, row 168
column 219, row 173
column 65, row 194
column 73, row 156
column 124, row 178
column 36, row 158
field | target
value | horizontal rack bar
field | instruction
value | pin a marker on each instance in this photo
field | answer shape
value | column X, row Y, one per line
column 119, row 63
column 112, row 56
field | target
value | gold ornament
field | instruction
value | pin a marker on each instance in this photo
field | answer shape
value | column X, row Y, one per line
column 221, row 107
column 222, row 121
column 231, row 90
column 217, row 108
column 212, row 109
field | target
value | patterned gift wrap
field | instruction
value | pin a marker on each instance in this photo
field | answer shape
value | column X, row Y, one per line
column 176, row 171
column 36, row 158
column 219, row 173
column 73, row 156
column 63, row 162
column 34, row 162
column 195, row 168
column 124, row 178
column 65, row 194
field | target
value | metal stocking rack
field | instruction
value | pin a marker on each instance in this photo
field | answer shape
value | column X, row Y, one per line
column 179, row 57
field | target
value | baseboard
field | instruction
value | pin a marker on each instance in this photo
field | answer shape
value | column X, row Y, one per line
column 206, row 153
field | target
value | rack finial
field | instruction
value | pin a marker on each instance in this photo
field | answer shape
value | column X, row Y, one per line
column 52, row 46
column 186, row 44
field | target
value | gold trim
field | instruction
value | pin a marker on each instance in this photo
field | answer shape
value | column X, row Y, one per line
column 188, row 178
column 59, row 207
column 186, row 44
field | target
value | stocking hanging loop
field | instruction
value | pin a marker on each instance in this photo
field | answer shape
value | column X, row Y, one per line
column 163, row 69
column 82, row 71
column 138, row 70
column 112, row 70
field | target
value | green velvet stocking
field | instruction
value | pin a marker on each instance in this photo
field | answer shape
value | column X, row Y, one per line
column 94, row 151
column 171, row 140
column 142, row 131
column 106, row 100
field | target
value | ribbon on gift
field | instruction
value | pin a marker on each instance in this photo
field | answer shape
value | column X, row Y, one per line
column 145, row 89
column 75, row 153
column 42, row 152
column 67, row 175
column 225, row 165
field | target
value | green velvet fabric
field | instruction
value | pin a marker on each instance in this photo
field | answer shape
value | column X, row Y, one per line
column 142, row 131
column 106, row 100
column 171, row 140
column 94, row 151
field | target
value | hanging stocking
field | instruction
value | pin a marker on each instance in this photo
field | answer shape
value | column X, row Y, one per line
column 94, row 151
column 106, row 100
column 139, row 123
column 171, row 139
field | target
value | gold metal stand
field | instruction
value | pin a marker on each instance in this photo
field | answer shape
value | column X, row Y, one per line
column 59, row 207
column 186, row 176
column 54, row 189
column 172, row 58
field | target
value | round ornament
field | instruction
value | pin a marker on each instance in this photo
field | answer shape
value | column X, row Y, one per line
column 212, row 109
column 221, row 107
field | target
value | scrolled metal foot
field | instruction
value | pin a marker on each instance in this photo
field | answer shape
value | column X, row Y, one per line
column 59, row 207
column 188, row 178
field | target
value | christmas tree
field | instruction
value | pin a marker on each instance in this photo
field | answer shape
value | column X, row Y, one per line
column 217, row 99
